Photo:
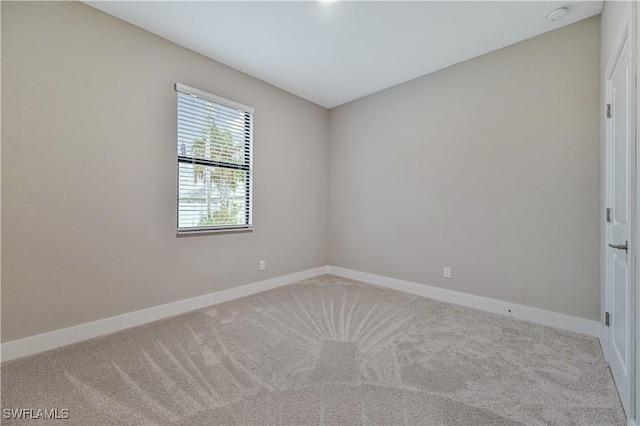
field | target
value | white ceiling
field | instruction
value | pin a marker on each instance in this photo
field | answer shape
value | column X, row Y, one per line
column 334, row 52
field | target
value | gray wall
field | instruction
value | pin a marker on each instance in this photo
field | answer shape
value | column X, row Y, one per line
column 490, row 166
column 89, row 172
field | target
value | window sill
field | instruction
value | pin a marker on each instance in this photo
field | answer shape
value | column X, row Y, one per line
column 196, row 232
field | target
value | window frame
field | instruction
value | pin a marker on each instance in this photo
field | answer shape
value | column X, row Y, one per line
column 247, row 168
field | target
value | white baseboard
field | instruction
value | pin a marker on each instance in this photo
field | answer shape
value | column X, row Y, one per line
column 527, row 313
column 66, row 336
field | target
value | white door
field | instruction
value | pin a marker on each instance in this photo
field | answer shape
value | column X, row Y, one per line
column 620, row 302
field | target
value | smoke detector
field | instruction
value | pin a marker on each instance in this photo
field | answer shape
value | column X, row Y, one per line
column 557, row 14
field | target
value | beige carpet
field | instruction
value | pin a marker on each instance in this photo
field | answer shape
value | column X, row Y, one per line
column 323, row 351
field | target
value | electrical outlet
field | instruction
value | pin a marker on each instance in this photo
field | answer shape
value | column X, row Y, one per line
column 447, row 272
column 263, row 265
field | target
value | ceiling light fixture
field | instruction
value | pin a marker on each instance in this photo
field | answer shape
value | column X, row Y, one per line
column 557, row 14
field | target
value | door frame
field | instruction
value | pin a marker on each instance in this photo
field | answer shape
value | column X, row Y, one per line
column 628, row 28
column 635, row 61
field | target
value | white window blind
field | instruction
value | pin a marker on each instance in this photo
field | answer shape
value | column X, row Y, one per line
column 214, row 162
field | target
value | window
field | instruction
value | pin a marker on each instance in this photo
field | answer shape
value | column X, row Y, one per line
column 214, row 162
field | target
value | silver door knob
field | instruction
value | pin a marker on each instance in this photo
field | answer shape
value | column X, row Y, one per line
column 624, row 246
